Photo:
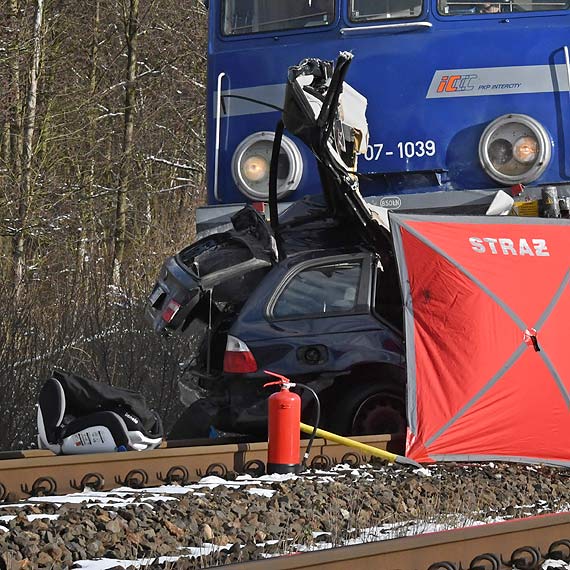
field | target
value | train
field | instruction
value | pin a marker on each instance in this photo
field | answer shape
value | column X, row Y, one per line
column 464, row 97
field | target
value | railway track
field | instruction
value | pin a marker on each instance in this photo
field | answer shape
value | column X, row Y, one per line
column 522, row 543
column 40, row 472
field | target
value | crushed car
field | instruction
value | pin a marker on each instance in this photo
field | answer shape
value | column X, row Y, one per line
column 313, row 293
column 326, row 314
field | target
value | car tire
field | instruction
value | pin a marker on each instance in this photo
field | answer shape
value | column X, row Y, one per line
column 367, row 408
column 194, row 422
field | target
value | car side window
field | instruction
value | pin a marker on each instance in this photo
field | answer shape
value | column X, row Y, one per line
column 320, row 291
column 387, row 298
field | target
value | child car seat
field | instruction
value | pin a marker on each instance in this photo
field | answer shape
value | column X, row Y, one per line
column 77, row 415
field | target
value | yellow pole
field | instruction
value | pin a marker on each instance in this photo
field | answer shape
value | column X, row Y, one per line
column 374, row 451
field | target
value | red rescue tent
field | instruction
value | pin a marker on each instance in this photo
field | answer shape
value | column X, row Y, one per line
column 487, row 315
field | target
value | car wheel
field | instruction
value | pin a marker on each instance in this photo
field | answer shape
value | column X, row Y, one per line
column 369, row 409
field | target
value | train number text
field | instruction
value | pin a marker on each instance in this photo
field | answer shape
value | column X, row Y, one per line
column 404, row 149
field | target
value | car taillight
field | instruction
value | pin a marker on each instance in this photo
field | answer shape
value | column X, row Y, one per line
column 171, row 309
column 238, row 358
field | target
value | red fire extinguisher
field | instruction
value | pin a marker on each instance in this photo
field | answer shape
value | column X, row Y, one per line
column 284, row 427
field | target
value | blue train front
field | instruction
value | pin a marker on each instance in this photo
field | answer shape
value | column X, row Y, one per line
column 462, row 95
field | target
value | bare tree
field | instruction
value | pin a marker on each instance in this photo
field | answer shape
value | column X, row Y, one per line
column 25, row 194
column 87, row 172
column 101, row 166
column 131, row 29
column 13, row 153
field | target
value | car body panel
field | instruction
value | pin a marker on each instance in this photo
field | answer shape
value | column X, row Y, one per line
column 343, row 343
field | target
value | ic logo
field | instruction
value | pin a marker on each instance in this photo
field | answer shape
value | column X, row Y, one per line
column 453, row 83
column 391, row 202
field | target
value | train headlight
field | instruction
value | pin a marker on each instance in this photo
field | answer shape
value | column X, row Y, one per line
column 250, row 166
column 255, row 168
column 515, row 149
column 525, row 150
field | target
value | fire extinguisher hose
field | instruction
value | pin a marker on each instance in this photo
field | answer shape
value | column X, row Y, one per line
column 374, row 451
column 313, row 433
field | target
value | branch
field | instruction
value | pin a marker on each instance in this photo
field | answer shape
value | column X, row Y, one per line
column 174, row 164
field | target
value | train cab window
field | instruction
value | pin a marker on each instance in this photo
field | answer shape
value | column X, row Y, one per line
column 255, row 16
column 466, row 7
column 370, row 10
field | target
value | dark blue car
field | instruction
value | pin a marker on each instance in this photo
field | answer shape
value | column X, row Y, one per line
column 320, row 308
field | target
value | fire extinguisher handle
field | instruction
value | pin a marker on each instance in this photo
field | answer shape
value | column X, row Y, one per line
column 283, row 380
column 282, row 384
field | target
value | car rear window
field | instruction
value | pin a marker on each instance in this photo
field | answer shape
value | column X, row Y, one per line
column 320, row 291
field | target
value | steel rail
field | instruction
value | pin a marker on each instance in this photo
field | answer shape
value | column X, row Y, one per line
column 40, row 472
column 520, row 543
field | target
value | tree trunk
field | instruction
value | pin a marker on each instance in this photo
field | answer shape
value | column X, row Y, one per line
column 15, row 140
column 27, row 152
column 87, row 230
column 126, row 159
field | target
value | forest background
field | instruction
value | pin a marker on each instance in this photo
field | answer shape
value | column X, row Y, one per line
column 102, row 136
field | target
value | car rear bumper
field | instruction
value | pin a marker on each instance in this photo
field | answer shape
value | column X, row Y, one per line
column 241, row 402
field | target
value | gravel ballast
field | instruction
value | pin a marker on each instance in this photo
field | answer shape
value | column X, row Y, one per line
column 245, row 519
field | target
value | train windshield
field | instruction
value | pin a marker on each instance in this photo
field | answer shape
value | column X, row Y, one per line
column 466, row 7
column 252, row 16
column 365, row 10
